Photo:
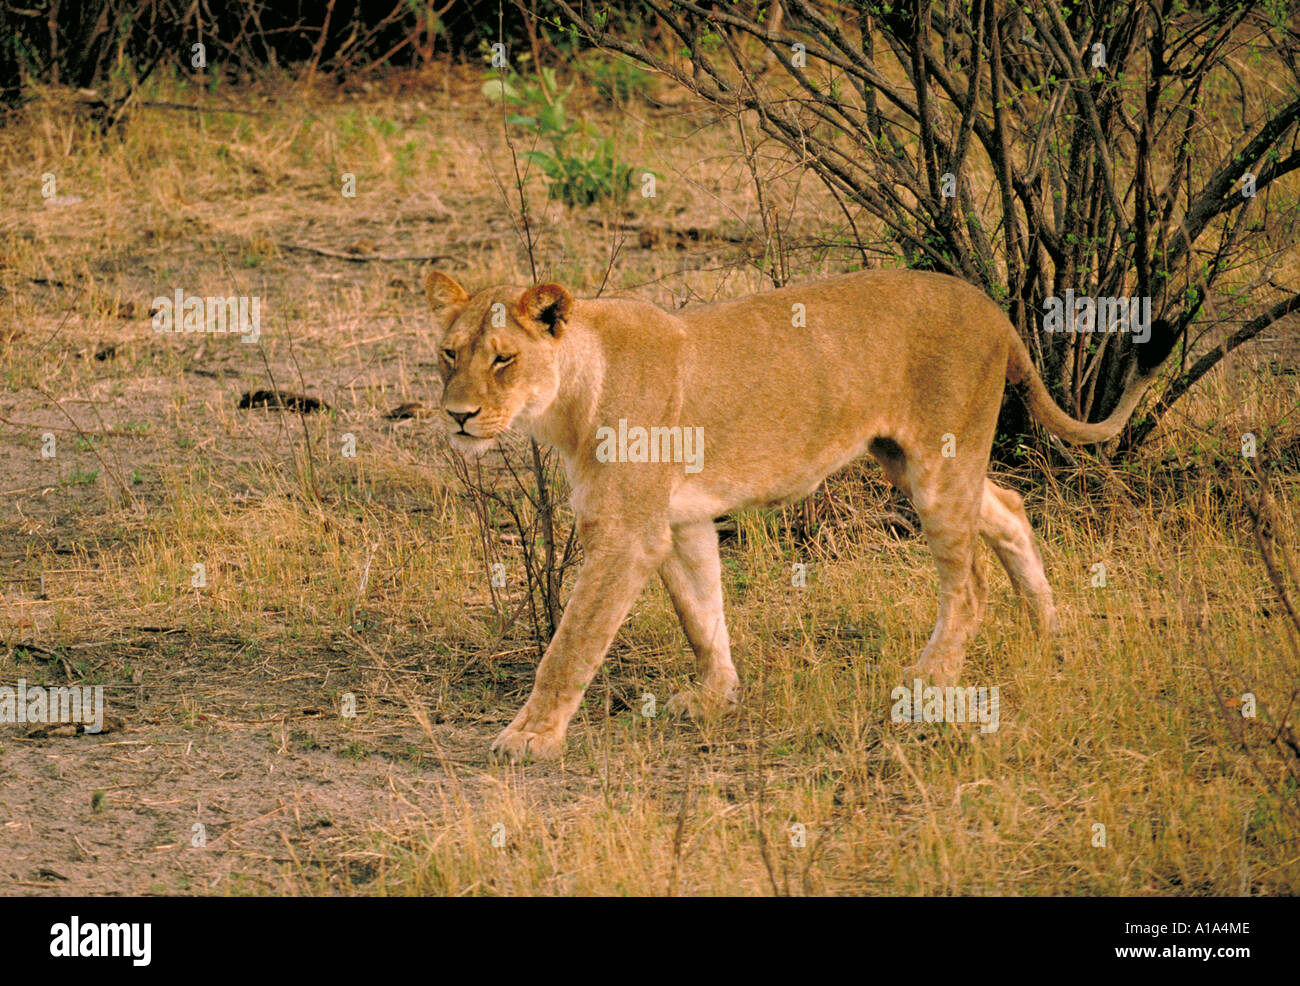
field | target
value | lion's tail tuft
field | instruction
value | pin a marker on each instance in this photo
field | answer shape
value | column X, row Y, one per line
column 1021, row 371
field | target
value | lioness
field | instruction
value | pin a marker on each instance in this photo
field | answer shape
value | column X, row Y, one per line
column 783, row 388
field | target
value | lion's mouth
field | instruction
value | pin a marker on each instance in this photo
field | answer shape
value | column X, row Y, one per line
column 460, row 430
column 468, row 443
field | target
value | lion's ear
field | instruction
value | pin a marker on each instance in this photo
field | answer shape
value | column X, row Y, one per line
column 443, row 292
column 548, row 305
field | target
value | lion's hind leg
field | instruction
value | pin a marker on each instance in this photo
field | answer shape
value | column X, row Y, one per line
column 947, row 495
column 1005, row 527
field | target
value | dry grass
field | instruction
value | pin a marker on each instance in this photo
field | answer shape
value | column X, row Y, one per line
column 329, row 574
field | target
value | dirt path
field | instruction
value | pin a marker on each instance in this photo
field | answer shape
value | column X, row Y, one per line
column 278, row 780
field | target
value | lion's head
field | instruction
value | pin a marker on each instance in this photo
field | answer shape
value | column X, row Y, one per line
column 496, row 355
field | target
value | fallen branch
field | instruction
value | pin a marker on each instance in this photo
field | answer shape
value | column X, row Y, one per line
column 364, row 257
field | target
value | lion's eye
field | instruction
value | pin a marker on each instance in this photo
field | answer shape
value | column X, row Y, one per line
column 449, row 355
column 503, row 359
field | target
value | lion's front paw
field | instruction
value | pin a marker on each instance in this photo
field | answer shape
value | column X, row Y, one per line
column 514, row 745
column 704, row 703
column 934, row 670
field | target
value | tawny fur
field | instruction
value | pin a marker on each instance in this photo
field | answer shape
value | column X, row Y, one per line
column 788, row 386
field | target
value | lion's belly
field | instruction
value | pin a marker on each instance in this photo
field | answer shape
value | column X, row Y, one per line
column 738, row 483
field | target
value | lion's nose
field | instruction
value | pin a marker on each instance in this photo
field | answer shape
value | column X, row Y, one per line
column 460, row 417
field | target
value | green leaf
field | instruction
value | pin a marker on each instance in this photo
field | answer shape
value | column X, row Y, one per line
column 499, row 89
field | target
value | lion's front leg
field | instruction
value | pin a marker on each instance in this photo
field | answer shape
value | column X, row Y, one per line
column 612, row 577
column 693, row 575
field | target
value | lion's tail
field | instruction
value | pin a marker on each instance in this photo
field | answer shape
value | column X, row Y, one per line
column 1021, row 370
